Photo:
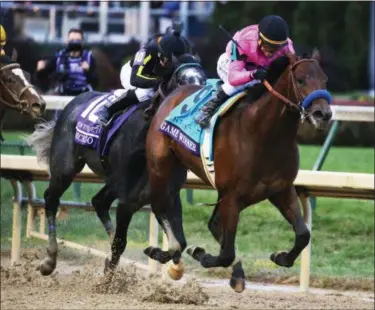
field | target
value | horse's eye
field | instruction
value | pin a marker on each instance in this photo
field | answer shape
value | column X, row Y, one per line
column 301, row 82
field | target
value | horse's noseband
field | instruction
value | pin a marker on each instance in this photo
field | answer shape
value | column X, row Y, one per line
column 316, row 94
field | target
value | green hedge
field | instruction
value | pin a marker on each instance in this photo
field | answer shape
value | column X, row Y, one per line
column 339, row 29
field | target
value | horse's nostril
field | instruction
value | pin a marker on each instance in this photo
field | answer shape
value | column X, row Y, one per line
column 318, row 115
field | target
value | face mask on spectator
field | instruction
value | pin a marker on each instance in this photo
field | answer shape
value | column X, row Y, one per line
column 74, row 46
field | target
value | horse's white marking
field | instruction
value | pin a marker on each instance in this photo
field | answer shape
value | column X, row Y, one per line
column 173, row 244
column 19, row 73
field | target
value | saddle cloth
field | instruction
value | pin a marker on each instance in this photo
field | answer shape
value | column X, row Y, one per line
column 91, row 134
column 181, row 126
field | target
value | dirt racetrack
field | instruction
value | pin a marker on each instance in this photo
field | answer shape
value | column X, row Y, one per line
column 78, row 284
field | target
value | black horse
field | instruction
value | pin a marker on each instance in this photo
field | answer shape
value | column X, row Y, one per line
column 124, row 172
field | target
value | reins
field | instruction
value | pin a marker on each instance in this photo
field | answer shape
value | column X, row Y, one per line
column 281, row 97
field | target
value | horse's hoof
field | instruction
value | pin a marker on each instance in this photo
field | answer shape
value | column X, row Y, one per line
column 149, row 250
column 176, row 271
column 196, row 252
column 47, row 266
column 237, row 284
column 281, row 258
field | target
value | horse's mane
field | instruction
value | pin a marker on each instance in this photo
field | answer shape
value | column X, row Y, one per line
column 276, row 68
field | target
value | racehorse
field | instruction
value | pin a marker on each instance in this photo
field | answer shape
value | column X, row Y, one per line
column 255, row 158
column 17, row 93
column 123, row 169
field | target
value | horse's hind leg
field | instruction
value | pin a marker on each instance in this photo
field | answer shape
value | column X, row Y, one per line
column 61, row 178
column 102, row 202
column 288, row 205
column 237, row 281
column 124, row 215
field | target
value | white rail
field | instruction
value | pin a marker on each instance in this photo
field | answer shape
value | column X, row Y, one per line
column 340, row 113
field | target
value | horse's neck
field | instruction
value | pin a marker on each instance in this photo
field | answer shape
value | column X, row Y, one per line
column 282, row 121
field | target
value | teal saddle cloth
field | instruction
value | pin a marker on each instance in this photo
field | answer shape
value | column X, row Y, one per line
column 180, row 124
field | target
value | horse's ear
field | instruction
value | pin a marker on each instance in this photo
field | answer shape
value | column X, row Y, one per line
column 14, row 55
column 292, row 57
column 316, row 54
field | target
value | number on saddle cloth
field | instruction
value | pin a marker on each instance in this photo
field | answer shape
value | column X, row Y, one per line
column 115, row 96
column 89, row 132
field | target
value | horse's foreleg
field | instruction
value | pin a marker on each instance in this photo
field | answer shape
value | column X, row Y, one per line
column 170, row 219
column 229, row 216
column 166, row 205
column 102, row 202
column 237, row 281
column 288, row 205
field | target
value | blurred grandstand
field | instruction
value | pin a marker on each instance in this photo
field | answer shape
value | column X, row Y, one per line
column 103, row 21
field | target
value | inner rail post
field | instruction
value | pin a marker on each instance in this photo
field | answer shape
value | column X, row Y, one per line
column 17, row 222
column 31, row 195
column 306, row 252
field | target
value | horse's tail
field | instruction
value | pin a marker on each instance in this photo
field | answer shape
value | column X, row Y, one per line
column 41, row 139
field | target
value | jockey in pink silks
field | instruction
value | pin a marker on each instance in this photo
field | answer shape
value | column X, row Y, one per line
column 242, row 67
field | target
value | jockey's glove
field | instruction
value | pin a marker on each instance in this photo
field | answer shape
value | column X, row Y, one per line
column 260, row 74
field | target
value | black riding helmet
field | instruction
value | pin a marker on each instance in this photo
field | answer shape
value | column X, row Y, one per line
column 172, row 44
column 273, row 31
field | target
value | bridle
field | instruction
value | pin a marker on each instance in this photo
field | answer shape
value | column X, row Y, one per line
column 21, row 104
column 303, row 102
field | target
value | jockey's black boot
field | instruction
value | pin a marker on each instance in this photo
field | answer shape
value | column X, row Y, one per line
column 106, row 113
column 208, row 110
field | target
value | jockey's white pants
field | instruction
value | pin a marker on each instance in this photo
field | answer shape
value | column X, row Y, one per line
column 142, row 94
column 223, row 69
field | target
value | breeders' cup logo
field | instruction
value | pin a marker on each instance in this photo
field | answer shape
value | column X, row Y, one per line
column 86, row 140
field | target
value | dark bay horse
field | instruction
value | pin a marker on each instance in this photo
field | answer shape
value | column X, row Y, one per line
column 17, row 93
column 255, row 158
column 124, row 170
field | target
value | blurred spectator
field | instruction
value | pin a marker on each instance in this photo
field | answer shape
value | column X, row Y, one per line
column 177, row 25
column 74, row 67
column 172, row 8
